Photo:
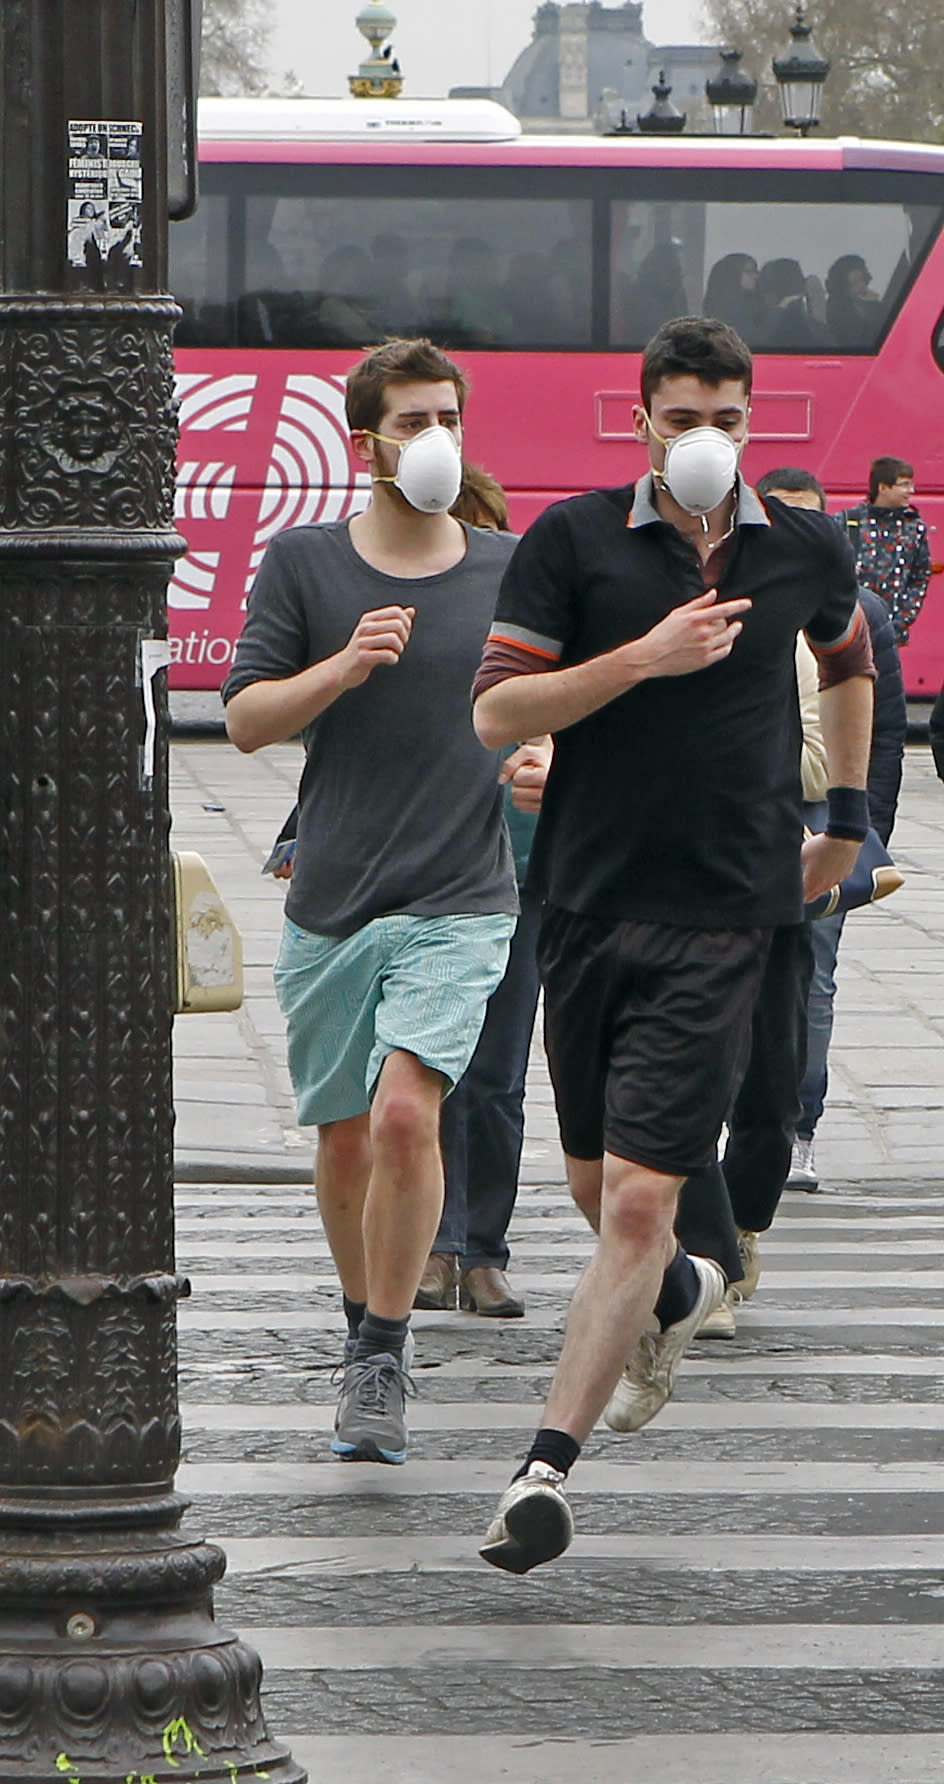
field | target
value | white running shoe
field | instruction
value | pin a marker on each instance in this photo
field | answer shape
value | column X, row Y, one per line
column 533, row 1522
column 722, row 1321
column 802, row 1169
column 749, row 1254
column 649, row 1377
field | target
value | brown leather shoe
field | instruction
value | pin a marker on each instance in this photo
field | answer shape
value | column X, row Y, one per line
column 437, row 1290
column 485, row 1289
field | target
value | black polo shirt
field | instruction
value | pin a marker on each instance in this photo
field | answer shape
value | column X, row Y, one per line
column 679, row 802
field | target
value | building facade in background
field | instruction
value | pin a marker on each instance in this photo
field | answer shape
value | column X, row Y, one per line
column 586, row 63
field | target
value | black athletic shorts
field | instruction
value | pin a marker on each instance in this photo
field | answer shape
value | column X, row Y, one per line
column 644, row 1028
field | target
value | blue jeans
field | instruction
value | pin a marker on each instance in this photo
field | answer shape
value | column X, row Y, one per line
column 827, row 934
column 483, row 1120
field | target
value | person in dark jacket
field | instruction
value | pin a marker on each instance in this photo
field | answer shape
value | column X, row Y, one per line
column 936, row 734
column 889, row 727
column 724, row 1208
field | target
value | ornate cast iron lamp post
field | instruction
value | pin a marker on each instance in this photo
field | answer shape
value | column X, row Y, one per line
column 800, row 72
column 111, row 1665
column 731, row 94
column 663, row 118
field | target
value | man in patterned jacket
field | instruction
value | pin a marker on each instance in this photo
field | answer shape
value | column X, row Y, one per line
column 890, row 541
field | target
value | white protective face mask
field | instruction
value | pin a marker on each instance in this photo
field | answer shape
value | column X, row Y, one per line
column 429, row 469
column 700, row 467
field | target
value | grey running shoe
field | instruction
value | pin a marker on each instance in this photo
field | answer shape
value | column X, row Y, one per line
column 532, row 1522
column 370, row 1425
column 649, row 1377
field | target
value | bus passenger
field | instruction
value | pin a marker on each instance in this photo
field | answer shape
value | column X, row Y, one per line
column 790, row 324
column 657, row 292
column 853, row 310
column 731, row 294
column 364, row 634
column 344, row 313
column 652, row 630
column 476, row 310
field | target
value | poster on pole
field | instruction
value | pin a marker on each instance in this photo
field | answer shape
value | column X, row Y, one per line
column 104, row 191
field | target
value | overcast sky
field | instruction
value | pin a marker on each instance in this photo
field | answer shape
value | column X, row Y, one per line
column 440, row 43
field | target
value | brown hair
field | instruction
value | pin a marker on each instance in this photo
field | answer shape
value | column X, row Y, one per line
column 695, row 346
column 396, row 362
column 481, row 500
column 885, row 472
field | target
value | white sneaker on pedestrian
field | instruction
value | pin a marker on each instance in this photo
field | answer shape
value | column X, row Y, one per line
column 721, row 1322
column 802, row 1169
column 749, row 1254
column 649, row 1376
column 533, row 1522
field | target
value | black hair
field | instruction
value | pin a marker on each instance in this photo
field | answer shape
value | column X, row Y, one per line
column 792, row 478
column 697, row 347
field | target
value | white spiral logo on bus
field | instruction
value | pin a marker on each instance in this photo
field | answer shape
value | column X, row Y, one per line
column 311, row 475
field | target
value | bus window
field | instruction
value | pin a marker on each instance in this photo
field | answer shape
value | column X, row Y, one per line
column 791, row 278
column 937, row 344
column 198, row 258
column 468, row 272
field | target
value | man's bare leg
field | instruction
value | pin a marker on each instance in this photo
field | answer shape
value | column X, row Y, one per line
column 585, row 1181
column 405, row 1193
column 342, row 1174
column 609, row 1311
column 401, row 1213
column 616, row 1293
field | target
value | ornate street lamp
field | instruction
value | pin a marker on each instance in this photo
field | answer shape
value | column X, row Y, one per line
column 731, row 94
column 800, row 72
column 378, row 76
column 662, row 118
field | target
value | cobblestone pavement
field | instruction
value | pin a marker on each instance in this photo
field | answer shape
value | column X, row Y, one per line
column 755, row 1592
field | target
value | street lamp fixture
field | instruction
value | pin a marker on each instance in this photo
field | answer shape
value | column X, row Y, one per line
column 731, row 94
column 800, row 72
column 662, row 118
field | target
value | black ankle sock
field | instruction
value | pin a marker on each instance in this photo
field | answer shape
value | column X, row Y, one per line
column 378, row 1334
column 557, row 1448
column 679, row 1291
column 354, row 1312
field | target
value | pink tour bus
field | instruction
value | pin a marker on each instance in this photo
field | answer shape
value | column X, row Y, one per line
column 544, row 264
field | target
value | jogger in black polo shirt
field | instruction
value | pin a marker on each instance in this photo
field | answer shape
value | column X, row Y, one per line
column 652, row 630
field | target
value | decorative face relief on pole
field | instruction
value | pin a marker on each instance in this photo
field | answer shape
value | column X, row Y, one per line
column 93, row 415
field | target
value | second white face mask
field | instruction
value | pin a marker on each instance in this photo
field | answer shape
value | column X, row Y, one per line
column 700, row 468
column 429, row 470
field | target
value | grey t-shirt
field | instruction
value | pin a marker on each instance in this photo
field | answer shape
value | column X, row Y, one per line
column 400, row 810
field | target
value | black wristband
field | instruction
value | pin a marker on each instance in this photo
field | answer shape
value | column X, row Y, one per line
column 847, row 817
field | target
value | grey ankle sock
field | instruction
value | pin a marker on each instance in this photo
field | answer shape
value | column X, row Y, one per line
column 378, row 1334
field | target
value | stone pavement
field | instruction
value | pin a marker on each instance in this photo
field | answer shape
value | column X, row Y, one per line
column 754, row 1595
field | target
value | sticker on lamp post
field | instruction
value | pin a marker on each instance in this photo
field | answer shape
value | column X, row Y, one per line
column 104, row 191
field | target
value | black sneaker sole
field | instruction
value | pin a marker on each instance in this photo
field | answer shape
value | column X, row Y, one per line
column 536, row 1533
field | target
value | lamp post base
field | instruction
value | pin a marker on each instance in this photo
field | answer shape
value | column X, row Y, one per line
column 111, row 1664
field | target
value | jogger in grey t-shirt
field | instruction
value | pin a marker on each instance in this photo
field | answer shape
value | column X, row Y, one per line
column 365, row 637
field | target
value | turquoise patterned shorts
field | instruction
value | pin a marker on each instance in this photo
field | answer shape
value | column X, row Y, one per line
column 419, row 984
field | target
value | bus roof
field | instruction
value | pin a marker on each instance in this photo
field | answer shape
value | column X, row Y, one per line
column 354, row 120
column 481, row 132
